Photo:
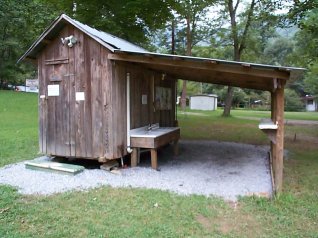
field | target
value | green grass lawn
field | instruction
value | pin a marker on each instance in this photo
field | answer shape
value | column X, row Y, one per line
column 237, row 113
column 110, row 212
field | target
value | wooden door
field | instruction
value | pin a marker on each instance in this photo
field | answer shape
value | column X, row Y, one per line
column 55, row 73
column 58, row 140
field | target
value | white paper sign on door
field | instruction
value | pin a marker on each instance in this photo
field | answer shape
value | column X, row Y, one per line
column 80, row 96
column 53, row 90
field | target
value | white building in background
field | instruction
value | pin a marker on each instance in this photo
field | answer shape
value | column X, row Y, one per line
column 204, row 102
column 311, row 103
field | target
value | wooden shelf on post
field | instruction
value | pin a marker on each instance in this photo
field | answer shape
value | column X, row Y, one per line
column 269, row 128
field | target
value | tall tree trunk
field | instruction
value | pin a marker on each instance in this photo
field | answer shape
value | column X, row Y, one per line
column 189, row 52
column 238, row 44
column 173, row 44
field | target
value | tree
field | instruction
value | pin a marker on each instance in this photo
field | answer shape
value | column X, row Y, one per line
column 133, row 20
column 192, row 12
column 240, row 26
column 292, row 101
column 20, row 23
column 307, row 20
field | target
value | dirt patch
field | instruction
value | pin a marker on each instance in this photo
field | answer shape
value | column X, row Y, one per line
column 238, row 223
column 204, row 221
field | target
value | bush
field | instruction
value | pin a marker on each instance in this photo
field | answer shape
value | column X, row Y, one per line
column 293, row 102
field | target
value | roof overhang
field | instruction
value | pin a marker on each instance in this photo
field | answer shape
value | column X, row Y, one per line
column 232, row 73
column 50, row 33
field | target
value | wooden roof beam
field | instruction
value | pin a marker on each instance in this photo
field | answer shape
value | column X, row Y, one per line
column 235, row 69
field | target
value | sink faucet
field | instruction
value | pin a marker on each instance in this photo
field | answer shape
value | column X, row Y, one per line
column 151, row 126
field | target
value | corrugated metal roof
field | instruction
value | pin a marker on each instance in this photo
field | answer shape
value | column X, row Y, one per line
column 116, row 42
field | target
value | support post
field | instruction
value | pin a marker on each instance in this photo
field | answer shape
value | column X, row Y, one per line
column 154, row 159
column 277, row 149
column 175, row 148
column 134, row 157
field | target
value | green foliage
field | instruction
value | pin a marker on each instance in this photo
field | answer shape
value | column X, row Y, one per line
column 20, row 23
column 311, row 80
column 133, row 20
column 305, row 14
column 278, row 51
column 293, row 101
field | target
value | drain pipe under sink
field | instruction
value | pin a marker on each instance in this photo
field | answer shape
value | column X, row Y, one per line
column 129, row 150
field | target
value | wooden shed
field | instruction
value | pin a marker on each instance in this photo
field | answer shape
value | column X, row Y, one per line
column 98, row 94
column 83, row 110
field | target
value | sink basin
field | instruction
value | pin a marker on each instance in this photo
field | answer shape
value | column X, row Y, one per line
column 155, row 132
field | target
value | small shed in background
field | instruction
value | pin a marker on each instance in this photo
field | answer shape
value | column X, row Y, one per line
column 204, row 102
column 311, row 103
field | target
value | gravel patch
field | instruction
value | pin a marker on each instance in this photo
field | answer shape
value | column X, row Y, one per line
column 207, row 168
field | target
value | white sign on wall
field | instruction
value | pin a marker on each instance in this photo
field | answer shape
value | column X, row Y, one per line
column 53, row 90
column 80, row 96
column 144, row 99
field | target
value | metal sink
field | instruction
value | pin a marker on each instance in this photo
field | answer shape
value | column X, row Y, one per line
column 156, row 131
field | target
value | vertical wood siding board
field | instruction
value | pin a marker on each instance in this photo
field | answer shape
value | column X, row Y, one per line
column 87, row 122
column 108, row 72
column 124, row 107
column 58, row 100
column 106, row 122
column 144, row 86
column 50, row 104
column 100, row 104
column 79, row 65
column 133, row 122
column 96, row 99
column 94, row 83
column 104, row 101
column 132, row 95
column 138, row 82
column 43, row 85
column 118, row 115
column 40, row 103
column 72, row 110
column 66, row 99
column 61, row 101
column 110, row 130
column 115, row 111
column 123, row 140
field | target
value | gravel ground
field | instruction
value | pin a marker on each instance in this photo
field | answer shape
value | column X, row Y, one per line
column 207, row 168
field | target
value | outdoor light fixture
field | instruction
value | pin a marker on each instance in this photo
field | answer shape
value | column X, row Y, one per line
column 70, row 39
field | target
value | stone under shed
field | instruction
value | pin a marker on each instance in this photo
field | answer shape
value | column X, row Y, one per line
column 96, row 89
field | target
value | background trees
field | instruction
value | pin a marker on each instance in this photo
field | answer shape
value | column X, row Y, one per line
column 20, row 21
column 226, row 29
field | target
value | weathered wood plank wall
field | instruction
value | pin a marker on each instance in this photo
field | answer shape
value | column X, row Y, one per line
column 144, row 82
column 96, row 126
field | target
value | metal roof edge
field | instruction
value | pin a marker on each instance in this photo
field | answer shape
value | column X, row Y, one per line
column 41, row 37
column 74, row 23
column 51, row 26
column 242, row 63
